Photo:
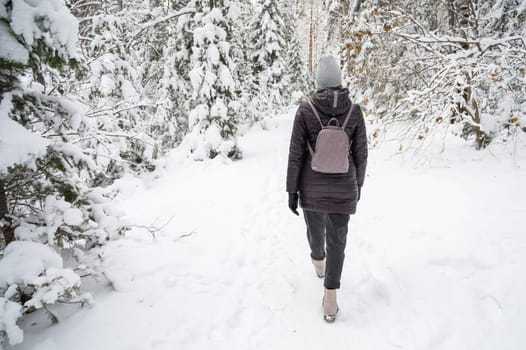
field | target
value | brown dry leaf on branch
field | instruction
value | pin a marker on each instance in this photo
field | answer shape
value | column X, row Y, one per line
column 494, row 76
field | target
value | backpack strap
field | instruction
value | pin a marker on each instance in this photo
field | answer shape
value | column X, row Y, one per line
column 315, row 112
column 348, row 116
column 311, row 151
column 319, row 119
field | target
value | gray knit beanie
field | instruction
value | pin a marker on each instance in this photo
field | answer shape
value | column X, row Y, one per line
column 328, row 73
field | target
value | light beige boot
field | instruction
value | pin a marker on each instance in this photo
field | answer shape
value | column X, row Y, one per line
column 319, row 267
column 330, row 306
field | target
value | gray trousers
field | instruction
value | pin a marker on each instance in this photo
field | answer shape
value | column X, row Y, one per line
column 327, row 236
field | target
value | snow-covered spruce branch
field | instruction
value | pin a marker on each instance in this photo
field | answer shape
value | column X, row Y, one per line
column 117, row 111
column 104, row 143
column 81, row 4
column 87, row 19
column 128, row 136
column 152, row 24
column 85, row 38
column 106, row 107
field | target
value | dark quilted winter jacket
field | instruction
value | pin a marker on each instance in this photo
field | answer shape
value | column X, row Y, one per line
column 330, row 193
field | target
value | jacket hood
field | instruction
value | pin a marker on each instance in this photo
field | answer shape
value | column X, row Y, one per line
column 332, row 102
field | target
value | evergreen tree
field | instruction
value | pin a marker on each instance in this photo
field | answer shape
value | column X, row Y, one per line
column 300, row 82
column 247, row 92
column 170, row 121
column 48, row 202
column 213, row 118
column 268, row 51
column 166, row 39
column 113, row 87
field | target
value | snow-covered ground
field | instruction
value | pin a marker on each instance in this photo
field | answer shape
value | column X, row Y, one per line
column 435, row 260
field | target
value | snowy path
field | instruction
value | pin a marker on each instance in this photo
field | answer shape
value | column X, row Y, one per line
column 435, row 260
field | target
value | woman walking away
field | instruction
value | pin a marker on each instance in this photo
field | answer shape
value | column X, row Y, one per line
column 326, row 167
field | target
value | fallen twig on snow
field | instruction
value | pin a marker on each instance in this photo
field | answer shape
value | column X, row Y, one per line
column 152, row 229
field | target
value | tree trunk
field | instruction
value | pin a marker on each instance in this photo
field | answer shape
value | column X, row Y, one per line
column 462, row 21
column 452, row 18
column 7, row 230
column 480, row 136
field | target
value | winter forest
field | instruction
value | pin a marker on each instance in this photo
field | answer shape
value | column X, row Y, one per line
column 143, row 155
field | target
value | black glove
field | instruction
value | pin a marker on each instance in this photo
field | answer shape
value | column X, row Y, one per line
column 293, row 203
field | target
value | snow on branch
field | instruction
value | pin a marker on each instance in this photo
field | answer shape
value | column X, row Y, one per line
column 154, row 23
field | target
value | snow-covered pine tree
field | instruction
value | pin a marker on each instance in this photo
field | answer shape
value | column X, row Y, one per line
column 166, row 75
column 112, row 86
column 48, row 204
column 300, row 82
column 268, row 51
column 214, row 118
column 246, row 85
